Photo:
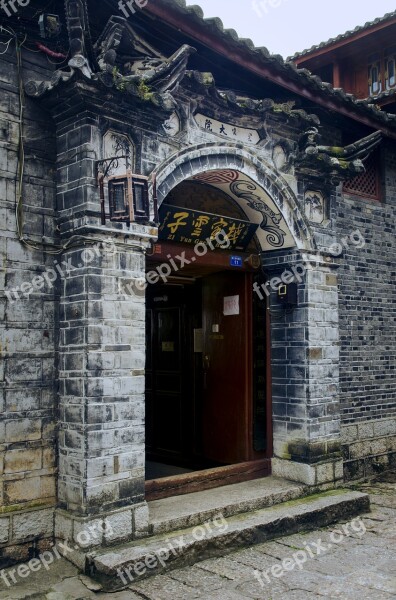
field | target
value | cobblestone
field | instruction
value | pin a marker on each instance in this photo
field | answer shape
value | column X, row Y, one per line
column 362, row 566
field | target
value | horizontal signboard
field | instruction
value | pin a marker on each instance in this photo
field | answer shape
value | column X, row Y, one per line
column 192, row 226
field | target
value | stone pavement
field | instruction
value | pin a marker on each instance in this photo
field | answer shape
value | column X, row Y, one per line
column 352, row 560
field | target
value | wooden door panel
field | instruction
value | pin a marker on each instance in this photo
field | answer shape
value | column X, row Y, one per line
column 226, row 377
column 165, row 381
column 167, row 423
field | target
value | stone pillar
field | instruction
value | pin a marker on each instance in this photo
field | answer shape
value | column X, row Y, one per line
column 101, row 355
column 101, row 378
column 305, row 371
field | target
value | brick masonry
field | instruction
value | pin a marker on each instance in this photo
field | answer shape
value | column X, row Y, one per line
column 72, row 374
column 27, row 326
column 368, row 327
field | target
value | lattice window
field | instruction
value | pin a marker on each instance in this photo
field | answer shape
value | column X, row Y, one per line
column 366, row 184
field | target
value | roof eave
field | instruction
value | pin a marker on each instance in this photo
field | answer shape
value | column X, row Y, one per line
column 307, row 55
column 248, row 58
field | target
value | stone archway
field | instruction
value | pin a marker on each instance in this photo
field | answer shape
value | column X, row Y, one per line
column 306, row 439
column 258, row 182
column 263, row 197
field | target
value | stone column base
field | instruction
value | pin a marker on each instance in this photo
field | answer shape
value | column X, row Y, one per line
column 76, row 536
column 25, row 531
column 329, row 472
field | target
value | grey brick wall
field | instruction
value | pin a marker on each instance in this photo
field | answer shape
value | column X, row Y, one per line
column 367, row 294
column 304, row 354
column 27, row 323
column 27, row 357
column 102, row 359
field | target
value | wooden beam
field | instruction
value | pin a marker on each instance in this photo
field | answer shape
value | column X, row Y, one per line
column 207, row 479
column 336, row 75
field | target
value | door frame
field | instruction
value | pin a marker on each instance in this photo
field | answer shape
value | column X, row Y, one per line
column 259, row 466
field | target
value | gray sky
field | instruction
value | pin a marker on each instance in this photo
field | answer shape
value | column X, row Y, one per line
column 288, row 26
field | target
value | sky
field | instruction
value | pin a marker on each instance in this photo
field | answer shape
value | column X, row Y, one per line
column 289, row 26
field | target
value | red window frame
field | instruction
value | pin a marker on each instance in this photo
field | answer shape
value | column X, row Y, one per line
column 366, row 185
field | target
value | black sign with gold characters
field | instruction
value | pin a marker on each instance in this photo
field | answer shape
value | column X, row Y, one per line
column 192, row 226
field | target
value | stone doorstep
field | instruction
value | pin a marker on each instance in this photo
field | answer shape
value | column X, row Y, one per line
column 180, row 512
column 183, row 548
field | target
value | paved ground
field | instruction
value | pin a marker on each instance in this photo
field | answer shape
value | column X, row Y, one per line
column 353, row 560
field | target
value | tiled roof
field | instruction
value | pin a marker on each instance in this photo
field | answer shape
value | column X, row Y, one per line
column 383, row 95
column 344, row 36
column 278, row 65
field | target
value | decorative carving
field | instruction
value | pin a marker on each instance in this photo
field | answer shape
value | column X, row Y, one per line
column 172, row 125
column 160, row 74
column 205, row 85
column 39, row 88
column 270, row 223
column 339, row 162
column 78, row 28
column 279, row 157
column 118, row 145
column 217, row 177
column 120, row 59
column 315, row 209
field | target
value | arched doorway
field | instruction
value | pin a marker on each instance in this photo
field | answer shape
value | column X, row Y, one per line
column 208, row 397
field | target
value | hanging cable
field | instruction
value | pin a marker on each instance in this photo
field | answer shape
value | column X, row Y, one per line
column 33, row 245
column 52, row 249
column 51, row 53
column 7, row 44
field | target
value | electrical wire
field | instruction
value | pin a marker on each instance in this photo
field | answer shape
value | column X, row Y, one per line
column 30, row 50
column 6, row 44
column 52, row 249
column 32, row 245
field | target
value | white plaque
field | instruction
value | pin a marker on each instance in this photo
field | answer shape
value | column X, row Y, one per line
column 227, row 130
column 231, row 306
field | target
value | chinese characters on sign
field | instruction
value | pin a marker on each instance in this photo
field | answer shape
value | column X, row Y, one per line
column 232, row 132
column 189, row 227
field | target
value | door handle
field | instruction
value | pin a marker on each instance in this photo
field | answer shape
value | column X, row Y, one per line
column 206, row 363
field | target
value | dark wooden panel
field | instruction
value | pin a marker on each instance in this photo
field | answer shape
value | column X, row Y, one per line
column 227, row 372
column 207, row 479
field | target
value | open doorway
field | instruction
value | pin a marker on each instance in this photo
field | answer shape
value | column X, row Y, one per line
column 206, row 403
column 208, row 413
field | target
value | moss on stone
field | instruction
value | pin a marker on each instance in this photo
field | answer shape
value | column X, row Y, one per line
column 4, row 510
column 144, row 92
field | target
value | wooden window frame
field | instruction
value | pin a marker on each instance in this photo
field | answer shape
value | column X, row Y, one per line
column 389, row 59
column 364, row 195
column 378, row 65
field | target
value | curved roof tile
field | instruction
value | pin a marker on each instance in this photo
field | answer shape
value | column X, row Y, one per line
column 304, row 76
column 344, row 36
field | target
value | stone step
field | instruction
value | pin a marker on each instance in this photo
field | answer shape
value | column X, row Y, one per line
column 118, row 567
column 180, row 512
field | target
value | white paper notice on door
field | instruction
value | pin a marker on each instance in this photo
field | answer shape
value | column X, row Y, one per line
column 231, row 306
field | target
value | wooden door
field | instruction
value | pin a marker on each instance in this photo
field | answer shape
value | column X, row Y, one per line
column 171, row 372
column 164, row 380
column 227, row 376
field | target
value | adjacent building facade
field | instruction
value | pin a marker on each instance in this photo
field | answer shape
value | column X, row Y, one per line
column 362, row 61
column 190, row 276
